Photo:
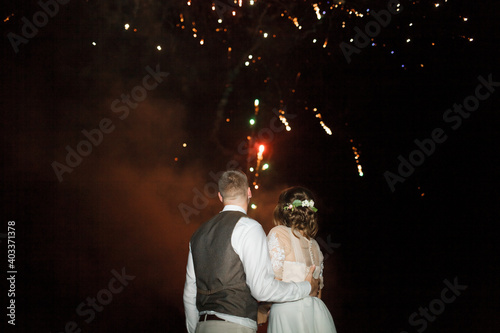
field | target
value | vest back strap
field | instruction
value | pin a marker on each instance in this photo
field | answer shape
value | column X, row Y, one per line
column 211, row 292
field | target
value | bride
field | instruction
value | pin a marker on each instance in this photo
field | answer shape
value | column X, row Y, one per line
column 293, row 250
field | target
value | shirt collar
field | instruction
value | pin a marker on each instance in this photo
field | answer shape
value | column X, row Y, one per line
column 233, row 208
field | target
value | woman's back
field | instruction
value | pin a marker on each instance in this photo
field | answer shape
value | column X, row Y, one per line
column 292, row 254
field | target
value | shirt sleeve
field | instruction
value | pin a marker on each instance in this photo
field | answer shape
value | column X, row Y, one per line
column 192, row 315
column 250, row 243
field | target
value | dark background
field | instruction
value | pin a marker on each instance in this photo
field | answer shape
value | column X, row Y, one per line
column 389, row 251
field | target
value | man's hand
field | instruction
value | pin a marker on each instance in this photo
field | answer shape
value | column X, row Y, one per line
column 314, row 282
column 263, row 312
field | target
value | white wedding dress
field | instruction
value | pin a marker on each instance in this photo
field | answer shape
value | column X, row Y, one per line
column 291, row 258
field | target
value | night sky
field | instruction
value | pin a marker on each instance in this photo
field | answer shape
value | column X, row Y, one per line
column 118, row 115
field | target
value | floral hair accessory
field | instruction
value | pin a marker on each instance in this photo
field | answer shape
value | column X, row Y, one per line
column 299, row 203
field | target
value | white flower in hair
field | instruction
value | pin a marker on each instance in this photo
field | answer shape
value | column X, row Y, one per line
column 303, row 203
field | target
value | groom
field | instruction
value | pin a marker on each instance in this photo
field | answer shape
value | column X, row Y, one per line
column 229, row 269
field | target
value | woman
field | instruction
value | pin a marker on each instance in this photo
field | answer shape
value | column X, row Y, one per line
column 293, row 250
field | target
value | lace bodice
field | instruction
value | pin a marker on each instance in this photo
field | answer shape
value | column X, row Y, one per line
column 291, row 256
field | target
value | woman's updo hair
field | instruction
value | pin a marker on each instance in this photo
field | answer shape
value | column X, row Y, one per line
column 303, row 219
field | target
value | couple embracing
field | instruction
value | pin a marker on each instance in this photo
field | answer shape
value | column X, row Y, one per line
column 232, row 266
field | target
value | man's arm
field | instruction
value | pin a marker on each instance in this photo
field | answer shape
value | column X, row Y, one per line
column 250, row 243
column 192, row 315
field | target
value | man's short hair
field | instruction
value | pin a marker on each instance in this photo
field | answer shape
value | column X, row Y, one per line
column 233, row 184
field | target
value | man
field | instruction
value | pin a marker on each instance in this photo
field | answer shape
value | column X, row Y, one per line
column 229, row 269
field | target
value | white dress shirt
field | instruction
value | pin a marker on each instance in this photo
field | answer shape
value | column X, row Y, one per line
column 250, row 244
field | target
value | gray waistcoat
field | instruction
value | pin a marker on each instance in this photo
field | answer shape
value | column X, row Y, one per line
column 220, row 277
